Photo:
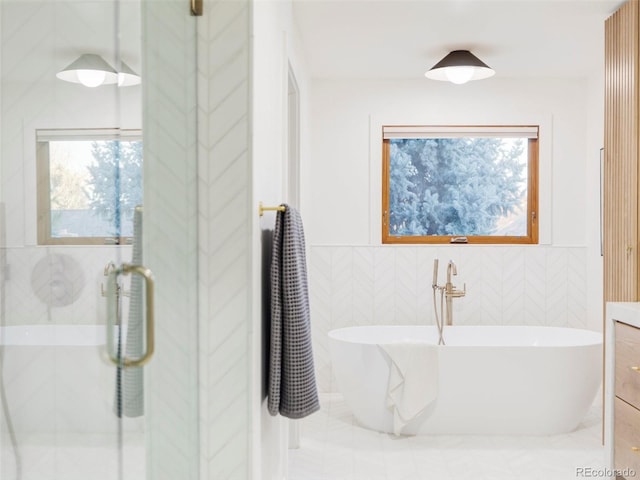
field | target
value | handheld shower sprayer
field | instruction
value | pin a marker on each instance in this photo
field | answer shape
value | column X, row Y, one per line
column 434, row 284
column 435, row 287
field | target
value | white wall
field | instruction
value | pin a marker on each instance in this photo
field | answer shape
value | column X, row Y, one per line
column 595, row 141
column 275, row 48
column 50, row 36
column 355, row 280
column 343, row 165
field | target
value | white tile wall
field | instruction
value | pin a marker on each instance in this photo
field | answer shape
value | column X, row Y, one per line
column 24, row 307
column 506, row 285
column 225, row 217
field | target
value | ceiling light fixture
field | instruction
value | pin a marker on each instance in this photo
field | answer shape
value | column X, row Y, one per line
column 127, row 77
column 92, row 71
column 460, row 66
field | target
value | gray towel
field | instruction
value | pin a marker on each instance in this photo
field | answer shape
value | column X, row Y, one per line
column 133, row 393
column 292, row 384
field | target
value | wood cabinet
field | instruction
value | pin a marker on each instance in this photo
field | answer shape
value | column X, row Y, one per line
column 626, row 454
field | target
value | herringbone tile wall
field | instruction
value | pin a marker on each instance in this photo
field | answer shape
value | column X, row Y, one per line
column 372, row 285
column 24, row 307
column 224, row 107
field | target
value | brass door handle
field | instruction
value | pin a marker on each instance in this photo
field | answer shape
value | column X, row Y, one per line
column 196, row 7
column 124, row 361
column 636, row 369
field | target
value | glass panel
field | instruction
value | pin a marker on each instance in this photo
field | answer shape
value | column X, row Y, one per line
column 171, row 213
column 66, row 412
column 59, row 396
column 458, row 186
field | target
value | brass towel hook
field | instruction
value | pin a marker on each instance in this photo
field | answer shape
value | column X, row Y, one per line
column 262, row 209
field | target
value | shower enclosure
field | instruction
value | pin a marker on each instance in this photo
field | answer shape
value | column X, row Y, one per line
column 83, row 153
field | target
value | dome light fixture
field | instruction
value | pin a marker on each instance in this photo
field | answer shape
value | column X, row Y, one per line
column 92, row 71
column 460, row 66
column 127, row 77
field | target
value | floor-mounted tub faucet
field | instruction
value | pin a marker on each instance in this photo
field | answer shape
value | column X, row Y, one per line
column 448, row 291
column 451, row 292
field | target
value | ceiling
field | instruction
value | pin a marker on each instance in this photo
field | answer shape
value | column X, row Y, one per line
column 403, row 39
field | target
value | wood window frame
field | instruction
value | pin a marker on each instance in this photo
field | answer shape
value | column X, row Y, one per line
column 43, row 179
column 532, row 207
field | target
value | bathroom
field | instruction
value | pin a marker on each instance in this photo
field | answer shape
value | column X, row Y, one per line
column 259, row 113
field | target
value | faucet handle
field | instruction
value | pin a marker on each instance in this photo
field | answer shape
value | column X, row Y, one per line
column 459, row 293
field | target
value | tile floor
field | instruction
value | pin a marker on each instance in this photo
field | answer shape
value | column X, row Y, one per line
column 334, row 447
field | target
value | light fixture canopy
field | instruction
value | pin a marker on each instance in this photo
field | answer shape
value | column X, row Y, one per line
column 460, row 66
column 92, row 71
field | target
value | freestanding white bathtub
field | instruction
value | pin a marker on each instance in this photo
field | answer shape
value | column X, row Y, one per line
column 507, row 380
column 57, row 381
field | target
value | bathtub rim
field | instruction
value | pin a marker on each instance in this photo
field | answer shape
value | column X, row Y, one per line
column 39, row 335
column 595, row 338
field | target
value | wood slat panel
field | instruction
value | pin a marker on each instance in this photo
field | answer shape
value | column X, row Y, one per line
column 622, row 102
column 621, row 149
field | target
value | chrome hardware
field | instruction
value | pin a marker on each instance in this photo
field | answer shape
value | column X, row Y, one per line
column 108, row 268
column 125, row 362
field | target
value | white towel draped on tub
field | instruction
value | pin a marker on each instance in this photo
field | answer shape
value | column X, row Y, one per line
column 413, row 379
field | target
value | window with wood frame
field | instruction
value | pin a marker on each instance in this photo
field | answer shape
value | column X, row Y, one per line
column 89, row 183
column 460, row 184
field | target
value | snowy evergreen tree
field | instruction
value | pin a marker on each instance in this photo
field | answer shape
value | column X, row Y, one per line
column 454, row 186
column 115, row 180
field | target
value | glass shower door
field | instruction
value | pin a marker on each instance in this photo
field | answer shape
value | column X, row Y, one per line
column 97, row 212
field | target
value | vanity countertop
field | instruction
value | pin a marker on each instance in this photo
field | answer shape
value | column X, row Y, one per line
column 626, row 312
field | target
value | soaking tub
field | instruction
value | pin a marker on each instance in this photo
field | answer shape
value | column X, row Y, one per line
column 508, row 380
column 57, row 380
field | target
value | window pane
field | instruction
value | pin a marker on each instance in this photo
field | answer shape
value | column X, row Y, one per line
column 95, row 186
column 458, row 186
